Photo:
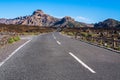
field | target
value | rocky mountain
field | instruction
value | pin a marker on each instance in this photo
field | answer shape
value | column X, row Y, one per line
column 69, row 22
column 109, row 23
column 39, row 18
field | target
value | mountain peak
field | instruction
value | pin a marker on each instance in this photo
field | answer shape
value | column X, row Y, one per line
column 67, row 18
column 108, row 23
column 38, row 12
column 110, row 20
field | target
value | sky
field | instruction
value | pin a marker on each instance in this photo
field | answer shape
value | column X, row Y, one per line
column 89, row 11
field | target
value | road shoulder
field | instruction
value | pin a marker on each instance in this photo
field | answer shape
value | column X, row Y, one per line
column 6, row 50
column 110, row 49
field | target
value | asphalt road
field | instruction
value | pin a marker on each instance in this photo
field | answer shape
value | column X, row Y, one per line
column 56, row 57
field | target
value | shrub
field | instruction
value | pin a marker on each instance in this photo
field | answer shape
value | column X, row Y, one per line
column 108, row 46
column 70, row 33
column 84, row 34
column 17, row 38
column 11, row 40
column 63, row 32
column 89, row 35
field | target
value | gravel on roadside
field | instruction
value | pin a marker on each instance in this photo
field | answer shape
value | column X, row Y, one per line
column 6, row 50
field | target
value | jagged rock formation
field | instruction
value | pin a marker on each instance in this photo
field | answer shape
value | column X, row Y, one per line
column 39, row 18
column 64, row 21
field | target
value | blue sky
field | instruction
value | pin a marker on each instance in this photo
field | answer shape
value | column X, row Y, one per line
column 90, row 11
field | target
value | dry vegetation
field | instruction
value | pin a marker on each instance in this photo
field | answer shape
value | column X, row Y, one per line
column 11, row 33
column 108, row 37
column 24, row 29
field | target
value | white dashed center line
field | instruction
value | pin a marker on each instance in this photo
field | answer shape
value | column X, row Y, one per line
column 54, row 37
column 81, row 62
column 58, row 42
column 76, row 58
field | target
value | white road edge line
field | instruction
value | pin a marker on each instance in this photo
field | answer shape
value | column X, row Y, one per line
column 58, row 42
column 14, row 53
column 81, row 62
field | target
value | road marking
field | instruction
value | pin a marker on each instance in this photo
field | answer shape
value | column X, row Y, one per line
column 81, row 62
column 58, row 42
column 54, row 37
column 14, row 53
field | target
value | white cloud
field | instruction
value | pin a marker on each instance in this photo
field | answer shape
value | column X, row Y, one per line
column 58, row 16
column 83, row 19
column 80, row 18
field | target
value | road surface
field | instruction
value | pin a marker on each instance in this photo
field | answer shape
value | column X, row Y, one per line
column 55, row 57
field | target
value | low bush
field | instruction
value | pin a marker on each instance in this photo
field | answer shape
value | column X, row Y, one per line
column 84, row 34
column 17, row 38
column 13, row 39
column 70, row 33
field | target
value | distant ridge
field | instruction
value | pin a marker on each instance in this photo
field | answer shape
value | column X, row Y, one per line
column 108, row 23
column 39, row 18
